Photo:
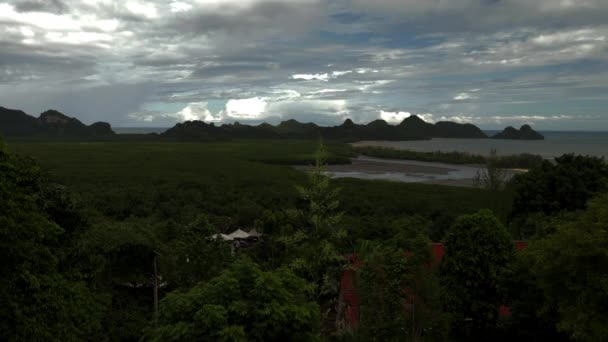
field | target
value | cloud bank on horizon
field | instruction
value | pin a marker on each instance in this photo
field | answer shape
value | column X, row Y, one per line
column 157, row 62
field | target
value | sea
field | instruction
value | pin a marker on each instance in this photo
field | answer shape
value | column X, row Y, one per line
column 554, row 145
column 139, row 130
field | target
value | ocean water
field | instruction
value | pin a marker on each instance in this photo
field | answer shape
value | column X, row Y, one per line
column 554, row 145
column 138, row 130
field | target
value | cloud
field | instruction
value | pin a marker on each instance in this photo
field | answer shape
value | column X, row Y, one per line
column 464, row 96
column 321, row 77
column 196, row 111
column 327, row 91
column 306, row 110
column 178, row 6
column 142, row 9
column 309, row 77
column 341, row 73
column 479, row 16
column 253, row 108
column 317, row 60
column 283, row 106
column 393, row 117
column 51, row 6
column 397, row 117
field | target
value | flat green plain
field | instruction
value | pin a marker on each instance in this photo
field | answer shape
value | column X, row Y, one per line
column 234, row 182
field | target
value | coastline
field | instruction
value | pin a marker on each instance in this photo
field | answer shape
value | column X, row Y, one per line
column 554, row 145
column 409, row 171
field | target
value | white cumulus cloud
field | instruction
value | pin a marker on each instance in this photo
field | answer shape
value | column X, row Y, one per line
column 252, row 108
column 394, row 117
column 309, row 77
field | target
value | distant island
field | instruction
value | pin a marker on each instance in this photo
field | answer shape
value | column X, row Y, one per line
column 525, row 132
column 53, row 124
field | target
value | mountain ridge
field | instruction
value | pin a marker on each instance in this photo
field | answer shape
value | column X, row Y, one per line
column 411, row 128
column 54, row 124
column 49, row 124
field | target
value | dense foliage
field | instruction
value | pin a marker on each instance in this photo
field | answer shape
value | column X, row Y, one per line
column 478, row 254
column 570, row 267
column 81, row 261
column 243, row 303
column 42, row 295
column 172, row 183
column 567, row 184
column 400, row 292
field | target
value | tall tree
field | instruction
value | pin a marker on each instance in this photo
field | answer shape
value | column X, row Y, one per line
column 570, row 269
column 314, row 244
column 321, row 199
column 478, row 253
column 399, row 288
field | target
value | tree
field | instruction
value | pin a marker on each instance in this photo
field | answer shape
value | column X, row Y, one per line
column 321, row 199
column 399, row 288
column 243, row 303
column 42, row 298
column 478, row 254
column 570, row 271
column 311, row 243
column 185, row 260
column 492, row 177
column 310, row 235
column 565, row 185
column 528, row 322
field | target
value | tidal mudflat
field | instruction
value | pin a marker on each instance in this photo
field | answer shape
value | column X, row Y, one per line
column 407, row 171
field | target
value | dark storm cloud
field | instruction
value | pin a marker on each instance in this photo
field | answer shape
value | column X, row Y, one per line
column 276, row 16
column 51, row 6
column 321, row 60
column 485, row 16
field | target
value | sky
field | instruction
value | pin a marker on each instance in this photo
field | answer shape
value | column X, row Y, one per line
column 154, row 63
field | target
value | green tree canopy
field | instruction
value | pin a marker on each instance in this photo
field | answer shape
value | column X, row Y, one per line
column 243, row 303
column 478, row 253
column 37, row 302
column 398, row 287
column 570, row 267
column 566, row 184
column 192, row 256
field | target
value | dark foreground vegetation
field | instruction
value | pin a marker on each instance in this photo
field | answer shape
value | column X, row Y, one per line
column 84, row 228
